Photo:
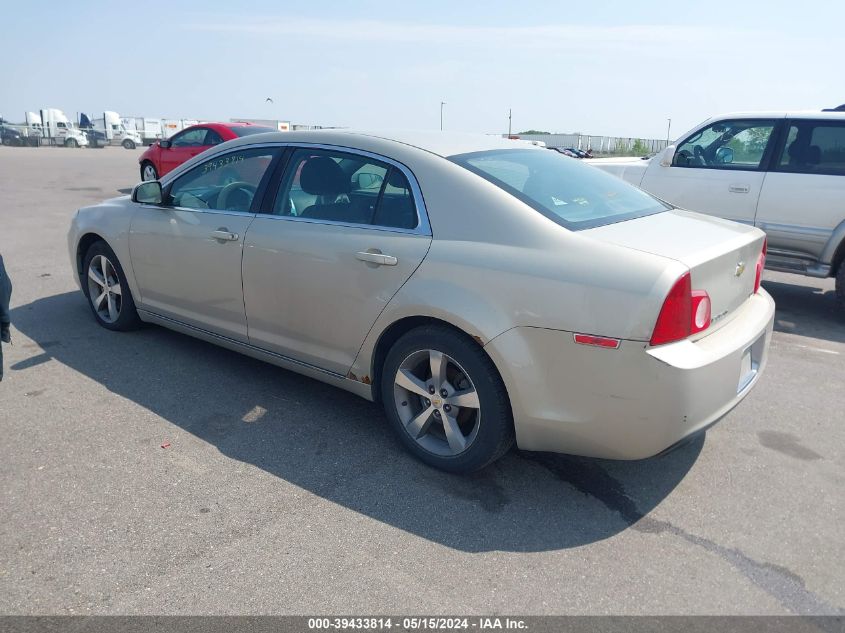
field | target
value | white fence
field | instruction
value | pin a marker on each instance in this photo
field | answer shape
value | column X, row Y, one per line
column 600, row 144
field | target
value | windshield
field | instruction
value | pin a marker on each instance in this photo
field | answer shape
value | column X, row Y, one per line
column 563, row 189
column 248, row 130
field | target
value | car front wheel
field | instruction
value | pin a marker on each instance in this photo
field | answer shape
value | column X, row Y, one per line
column 129, row 144
column 840, row 285
column 108, row 293
column 148, row 171
column 445, row 400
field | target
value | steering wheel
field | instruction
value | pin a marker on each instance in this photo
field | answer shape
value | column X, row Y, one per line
column 230, row 189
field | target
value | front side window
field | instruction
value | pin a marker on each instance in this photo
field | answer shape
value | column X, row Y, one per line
column 573, row 194
column 213, row 138
column 814, row 147
column 737, row 144
column 346, row 188
column 191, row 138
column 227, row 182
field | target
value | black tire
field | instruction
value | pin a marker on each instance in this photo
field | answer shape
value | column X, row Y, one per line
column 495, row 433
column 147, row 164
column 127, row 314
column 71, row 142
column 127, row 144
column 840, row 285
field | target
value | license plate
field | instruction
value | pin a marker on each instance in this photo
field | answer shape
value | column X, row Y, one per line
column 748, row 365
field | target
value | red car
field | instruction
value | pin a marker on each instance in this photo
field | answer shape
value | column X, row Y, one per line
column 167, row 154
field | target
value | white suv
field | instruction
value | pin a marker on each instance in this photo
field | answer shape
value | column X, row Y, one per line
column 781, row 171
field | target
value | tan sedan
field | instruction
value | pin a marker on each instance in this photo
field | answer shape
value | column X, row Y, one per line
column 483, row 291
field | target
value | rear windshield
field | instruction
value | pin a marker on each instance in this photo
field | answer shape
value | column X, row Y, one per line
column 248, row 130
column 573, row 194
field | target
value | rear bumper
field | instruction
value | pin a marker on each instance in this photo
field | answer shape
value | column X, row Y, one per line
column 633, row 402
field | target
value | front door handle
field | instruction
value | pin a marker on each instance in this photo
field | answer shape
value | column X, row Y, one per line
column 224, row 235
column 739, row 188
column 376, row 258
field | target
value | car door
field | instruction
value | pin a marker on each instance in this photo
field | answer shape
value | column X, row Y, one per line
column 803, row 198
column 346, row 230
column 186, row 253
column 183, row 146
column 719, row 169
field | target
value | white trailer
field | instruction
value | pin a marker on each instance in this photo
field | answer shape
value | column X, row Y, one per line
column 169, row 127
column 149, row 129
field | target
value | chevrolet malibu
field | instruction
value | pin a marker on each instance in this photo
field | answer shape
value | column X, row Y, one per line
column 482, row 293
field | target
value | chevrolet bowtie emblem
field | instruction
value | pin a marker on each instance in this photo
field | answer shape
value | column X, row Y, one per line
column 740, row 268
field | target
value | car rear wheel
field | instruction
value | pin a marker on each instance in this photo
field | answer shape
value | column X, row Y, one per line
column 445, row 400
column 128, row 144
column 71, row 142
column 148, row 171
column 108, row 293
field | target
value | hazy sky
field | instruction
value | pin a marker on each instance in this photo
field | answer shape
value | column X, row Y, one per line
column 615, row 68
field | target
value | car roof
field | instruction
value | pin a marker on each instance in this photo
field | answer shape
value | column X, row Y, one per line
column 443, row 144
column 782, row 114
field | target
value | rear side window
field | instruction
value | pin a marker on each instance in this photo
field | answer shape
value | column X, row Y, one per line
column 814, row 147
column 563, row 189
column 345, row 188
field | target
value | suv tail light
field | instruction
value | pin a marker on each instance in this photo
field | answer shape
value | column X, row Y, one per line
column 761, row 263
column 685, row 312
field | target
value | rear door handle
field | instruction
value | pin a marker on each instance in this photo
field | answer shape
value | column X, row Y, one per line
column 376, row 258
column 224, row 235
column 739, row 188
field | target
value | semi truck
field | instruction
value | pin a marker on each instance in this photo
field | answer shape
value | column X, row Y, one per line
column 56, row 128
column 110, row 130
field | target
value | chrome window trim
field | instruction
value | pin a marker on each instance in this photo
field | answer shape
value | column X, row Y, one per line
column 210, row 211
column 423, row 224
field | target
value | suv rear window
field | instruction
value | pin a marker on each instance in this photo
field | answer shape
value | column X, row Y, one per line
column 575, row 195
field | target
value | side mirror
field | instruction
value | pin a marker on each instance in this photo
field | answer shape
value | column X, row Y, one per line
column 724, row 155
column 164, row 144
column 147, row 192
column 668, row 156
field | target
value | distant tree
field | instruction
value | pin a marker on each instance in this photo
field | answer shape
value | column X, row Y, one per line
column 639, row 147
column 533, row 132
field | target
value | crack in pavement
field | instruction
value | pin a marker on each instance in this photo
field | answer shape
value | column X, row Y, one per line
column 586, row 476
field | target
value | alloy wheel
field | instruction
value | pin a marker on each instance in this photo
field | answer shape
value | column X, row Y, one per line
column 437, row 402
column 104, row 289
column 149, row 172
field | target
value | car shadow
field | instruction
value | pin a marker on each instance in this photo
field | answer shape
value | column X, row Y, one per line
column 806, row 310
column 339, row 447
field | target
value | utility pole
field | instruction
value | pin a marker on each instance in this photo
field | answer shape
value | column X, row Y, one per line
column 510, row 117
column 669, row 133
column 442, row 103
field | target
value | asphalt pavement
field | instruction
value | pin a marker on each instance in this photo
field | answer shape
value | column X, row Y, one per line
column 279, row 494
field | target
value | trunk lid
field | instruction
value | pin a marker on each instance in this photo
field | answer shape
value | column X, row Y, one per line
column 721, row 255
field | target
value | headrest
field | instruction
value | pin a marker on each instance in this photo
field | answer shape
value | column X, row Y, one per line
column 397, row 179
column 322, row 176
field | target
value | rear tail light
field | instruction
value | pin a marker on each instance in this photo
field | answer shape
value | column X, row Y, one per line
column 685, row 312
column 761, row 263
